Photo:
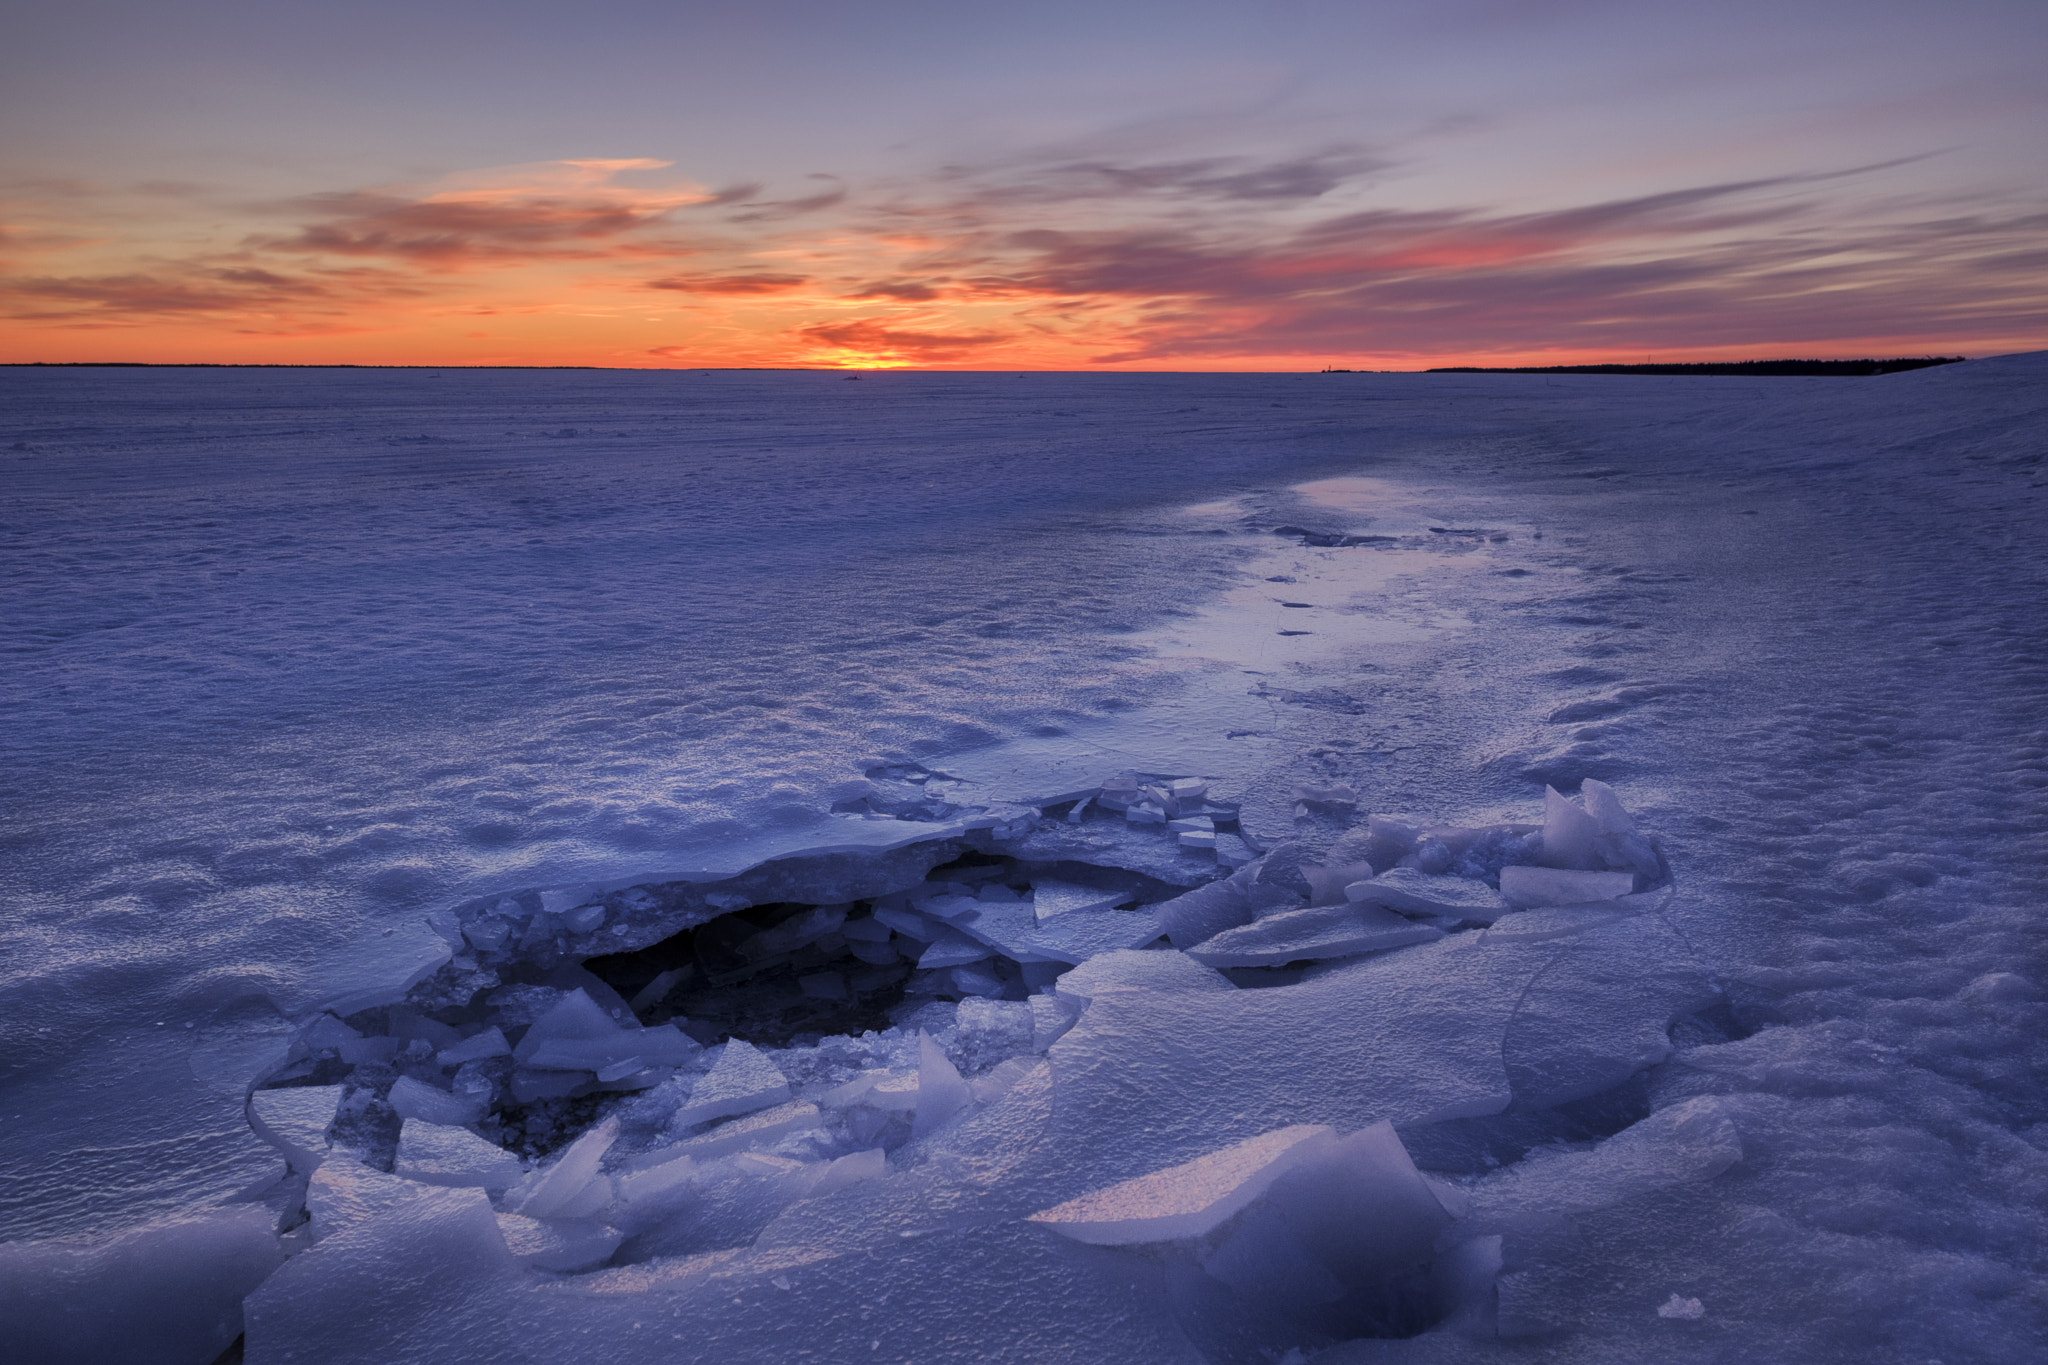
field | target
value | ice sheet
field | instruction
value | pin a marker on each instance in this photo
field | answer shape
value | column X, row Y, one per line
column 295, row 687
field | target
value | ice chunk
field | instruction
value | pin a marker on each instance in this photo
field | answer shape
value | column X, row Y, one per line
column 1191, row 824
column 664, row 1045
column 1568, row 833
column 574, row 1017
column 558, row 1245
column 1232, row 851
column 1119, row 791
column 908, row 923
column 436, row 1154
column 1009, row 927
column 871, row 1164
column 418, row 1100
column 327, row 1033
column 1523, row 887
column 1413, row 1036
column 531, row 1086
column 1198, row 839
column 1326, row 884
column 295, row 1121
column 754, row 1130
column 1181, row 1201
column 1050, row 1018
column 343, row 1192
column 490, row 1043
column 1317, row 934
column 952, row 949
column 1419, row 893
column 1681, row 1308
column 949, row 907
column 573, row 1186
column 940, row 1092
column 489, row 934
column 1131, row 969
column 652, row 1183
column 1342, row 1230
column 1617, row 844
column 1335, row 799
column 742, row 1080
column 1205, row 912
column 357, row 1051
column 975, row 979
column 405, row 1285
column 1084, row 934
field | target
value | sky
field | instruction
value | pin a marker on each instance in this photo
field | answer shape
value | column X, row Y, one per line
column 1122, row 184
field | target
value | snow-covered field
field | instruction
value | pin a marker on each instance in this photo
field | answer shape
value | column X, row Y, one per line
column 348, row 712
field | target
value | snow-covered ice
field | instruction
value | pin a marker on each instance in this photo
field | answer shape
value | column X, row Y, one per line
column 1450, row 867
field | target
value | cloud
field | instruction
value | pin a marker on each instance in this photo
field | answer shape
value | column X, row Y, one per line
column 1229, row 181
column 556, row 209
column 872, row 341
column 908, row 291
column 760, row 282
column 1070, row 258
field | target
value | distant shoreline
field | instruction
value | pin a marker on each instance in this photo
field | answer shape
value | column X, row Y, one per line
column 1716, row 367
column 1750, row 367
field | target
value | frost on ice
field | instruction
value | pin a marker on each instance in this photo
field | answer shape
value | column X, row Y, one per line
column 1085, row 1025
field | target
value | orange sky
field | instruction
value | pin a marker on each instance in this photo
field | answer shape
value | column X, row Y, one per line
column 1472, row 182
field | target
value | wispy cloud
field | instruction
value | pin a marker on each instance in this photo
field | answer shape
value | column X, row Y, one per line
column 1069, row 258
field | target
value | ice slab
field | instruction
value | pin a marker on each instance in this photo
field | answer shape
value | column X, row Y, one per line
column 1051, row 1017
column 1135, row 970
column 1523, row 887
column 752, row 1130
column 558, row 1245
column 663, row 1045
column 418, row 1100
column 1602, row 1008
column 436, row 1154
column 1419, row 893
column 1352, row 1207
column 1181, row 1201
column 741, row 1081
column 1319, row 934
column 343, row 1192
column 1082, row 935
column 574, row 1017
column 1690, row 1141
column 572, row 1187
column 1326, row 883
column 952, row 949
column 941, row 1093
column 1199, row 915
column 1408, row 1036
column 427, row 1279
column 1568, row 833
column 296, row 1120
column 1050, row 897
column 478, row 1047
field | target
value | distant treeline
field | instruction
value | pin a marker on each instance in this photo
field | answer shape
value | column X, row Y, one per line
column 1756, row 367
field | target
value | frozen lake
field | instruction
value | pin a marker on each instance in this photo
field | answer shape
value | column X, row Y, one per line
column 297, row 660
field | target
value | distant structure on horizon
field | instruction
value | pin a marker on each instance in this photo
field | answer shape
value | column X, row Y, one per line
column 1750, row 367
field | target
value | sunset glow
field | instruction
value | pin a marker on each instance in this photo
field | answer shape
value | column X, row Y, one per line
column 1148, row 232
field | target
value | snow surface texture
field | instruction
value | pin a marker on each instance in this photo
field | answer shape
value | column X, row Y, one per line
column 301, row 660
